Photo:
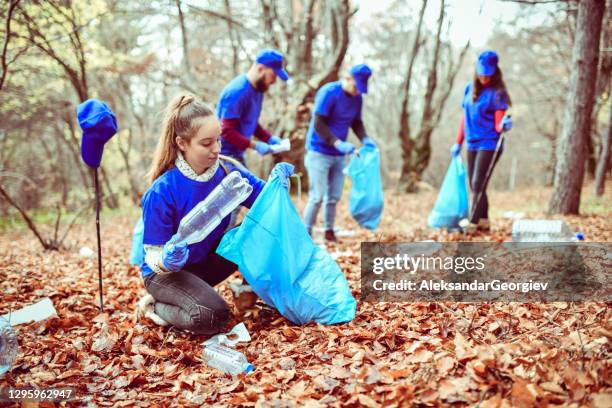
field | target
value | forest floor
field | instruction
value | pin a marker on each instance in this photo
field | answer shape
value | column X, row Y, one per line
column 426, row 354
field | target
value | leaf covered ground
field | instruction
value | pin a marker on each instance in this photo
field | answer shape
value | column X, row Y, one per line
column 392, row 354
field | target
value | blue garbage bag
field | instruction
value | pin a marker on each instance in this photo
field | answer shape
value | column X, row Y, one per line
column 452, row 203
column 366, row 195
column 283, row 266
column 137, row 253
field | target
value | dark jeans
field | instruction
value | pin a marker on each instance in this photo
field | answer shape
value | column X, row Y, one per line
column 478, row 165
column 187, row 300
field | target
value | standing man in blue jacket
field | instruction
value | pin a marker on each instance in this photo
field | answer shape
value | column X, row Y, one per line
column 337, row 108
column 240, row 105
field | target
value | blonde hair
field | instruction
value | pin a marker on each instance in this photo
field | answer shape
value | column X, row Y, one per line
column 180, row 119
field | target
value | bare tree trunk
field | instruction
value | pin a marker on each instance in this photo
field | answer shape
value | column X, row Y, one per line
column 603, row 166
column 45, row 243
column 7, row 38
column 234, row 40
column 579, row 105
column 404, row 131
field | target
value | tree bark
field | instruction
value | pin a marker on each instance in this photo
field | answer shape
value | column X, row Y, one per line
column 603, row 165
column 572, row 145
column 404, row 130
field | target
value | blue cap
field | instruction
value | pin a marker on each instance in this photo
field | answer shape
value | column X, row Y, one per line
column 487, row 63
column 99, row 124
column 272, row 59
column 361, row 73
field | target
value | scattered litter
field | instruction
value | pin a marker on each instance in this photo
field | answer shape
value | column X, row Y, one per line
column 86, row 252
column 514, row 215
column 226, row 359
column 36, row 312
column 338, row 254
column 238, row 334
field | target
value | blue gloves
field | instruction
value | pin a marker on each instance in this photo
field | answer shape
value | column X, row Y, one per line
column 274, row 140
column 506, row 122
column 262, row 148
column 344, row 147
column 455, row 150
column 368, row 141
column 282, row 171
column 174, row 256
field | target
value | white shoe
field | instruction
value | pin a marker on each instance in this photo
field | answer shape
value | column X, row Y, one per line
column 146, row 308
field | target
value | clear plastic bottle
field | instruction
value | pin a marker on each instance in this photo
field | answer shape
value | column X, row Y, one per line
column 226, row 359
column 543, row 231
column 208, row 214
column 8, row 346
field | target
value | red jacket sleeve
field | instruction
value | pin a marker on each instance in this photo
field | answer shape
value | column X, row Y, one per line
column 461, row 132
column 499, row 115
column 231, row 134
column 262, row 134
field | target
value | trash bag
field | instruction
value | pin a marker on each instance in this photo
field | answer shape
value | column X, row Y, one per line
column 137, row 253
column 366, row 195
column 452, row 204
column 283, row 266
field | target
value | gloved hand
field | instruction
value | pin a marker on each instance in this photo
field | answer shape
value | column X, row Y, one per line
column 282, row 171
column 274, row 140
column 455, row 150
column 506, row 122
column 262, row 148
column 344, row 147
column 174, row 255
column 368, row 141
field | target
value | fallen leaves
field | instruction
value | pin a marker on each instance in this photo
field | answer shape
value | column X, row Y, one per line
column 392, row 354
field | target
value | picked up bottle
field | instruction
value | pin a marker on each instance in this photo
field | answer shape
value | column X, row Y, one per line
column 226, row 359
column 8, row 346
column 208, row 214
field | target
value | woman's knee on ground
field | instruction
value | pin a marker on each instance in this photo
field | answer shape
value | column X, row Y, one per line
column 209, row 318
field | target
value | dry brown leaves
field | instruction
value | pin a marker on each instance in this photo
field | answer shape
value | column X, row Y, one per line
column 428, row 354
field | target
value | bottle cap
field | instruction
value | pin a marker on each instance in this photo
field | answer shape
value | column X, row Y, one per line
column 248, row 368
column 579, row 236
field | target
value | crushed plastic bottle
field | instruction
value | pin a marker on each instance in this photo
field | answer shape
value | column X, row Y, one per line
column 8, row 346
column 208, row 214
column 226, row 359
column 543, row 231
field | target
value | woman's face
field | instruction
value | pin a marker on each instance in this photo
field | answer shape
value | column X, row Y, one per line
column 202, row 151
column 484, row 79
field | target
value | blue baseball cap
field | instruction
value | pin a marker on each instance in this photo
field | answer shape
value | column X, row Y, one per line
column 272, row 59
column 361, row 73
column 99, row 124
column 487, row 63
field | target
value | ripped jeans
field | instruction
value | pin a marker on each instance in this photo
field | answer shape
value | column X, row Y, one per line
column 187, row 300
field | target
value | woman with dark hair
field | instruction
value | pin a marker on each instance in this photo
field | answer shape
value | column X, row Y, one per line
column 485, row 102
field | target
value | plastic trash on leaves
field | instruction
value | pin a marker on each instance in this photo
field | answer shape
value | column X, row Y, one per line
column 543, row 231
column 208, row 214
column 86, row 252
column 8, row 346
column 239, row 333
column 137, row 253
column 366, row 195
column 226, row 359
column 284, row 267
column 452, row 204
column 37, row 312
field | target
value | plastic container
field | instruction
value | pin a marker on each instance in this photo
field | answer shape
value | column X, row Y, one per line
column 543, row 231
column 208, row 214
column 226, row 359
column 8, row 346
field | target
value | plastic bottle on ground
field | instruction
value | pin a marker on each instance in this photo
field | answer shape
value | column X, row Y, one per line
column 208, row 214
column 226, row 359
column 8, row 346
column 543, row 231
